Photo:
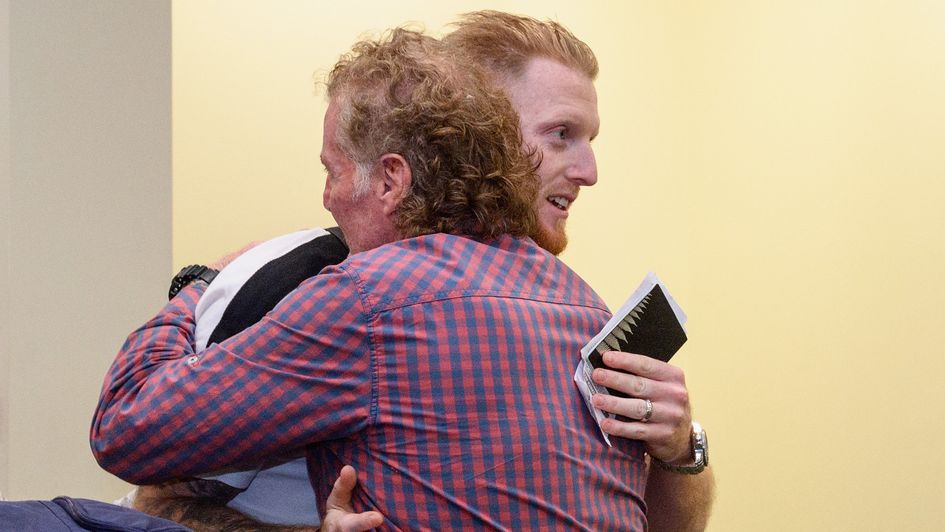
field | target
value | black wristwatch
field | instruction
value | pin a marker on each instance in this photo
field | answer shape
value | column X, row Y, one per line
column 700, row 454
column 188, row 275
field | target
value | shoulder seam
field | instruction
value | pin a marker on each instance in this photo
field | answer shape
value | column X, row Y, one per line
column 369, row 314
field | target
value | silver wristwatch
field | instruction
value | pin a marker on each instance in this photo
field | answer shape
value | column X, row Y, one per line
column 700, row 454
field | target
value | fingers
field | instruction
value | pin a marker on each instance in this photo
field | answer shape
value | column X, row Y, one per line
column 643, row 366
column 632, row 385
column 641, row 377
column 360, row 522
column 662, row 412
column 666, row 433
column 631, row 430
column 635, row 409
column 339, row 515
column 340, row 496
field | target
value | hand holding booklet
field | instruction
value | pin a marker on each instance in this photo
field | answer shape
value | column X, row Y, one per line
column 648, row 323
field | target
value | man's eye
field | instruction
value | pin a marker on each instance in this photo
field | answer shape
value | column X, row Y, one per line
column 561, row 133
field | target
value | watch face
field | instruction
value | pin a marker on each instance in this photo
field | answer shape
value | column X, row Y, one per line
column 700, row 444
column 705, row 448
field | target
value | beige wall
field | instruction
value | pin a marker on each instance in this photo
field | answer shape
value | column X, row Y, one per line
column 85, row 223
column 780, row 164
column 4, row 237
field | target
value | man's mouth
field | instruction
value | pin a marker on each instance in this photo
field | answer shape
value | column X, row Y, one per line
column 560, row 202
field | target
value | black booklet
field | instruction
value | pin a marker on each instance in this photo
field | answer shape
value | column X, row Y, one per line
column 649, row 323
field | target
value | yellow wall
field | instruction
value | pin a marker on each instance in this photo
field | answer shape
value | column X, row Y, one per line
column 780, row 164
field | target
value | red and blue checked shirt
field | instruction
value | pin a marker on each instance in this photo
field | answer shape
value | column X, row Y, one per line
column 440, row 367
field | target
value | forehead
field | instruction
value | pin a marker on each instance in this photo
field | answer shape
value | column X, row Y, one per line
column 330, row 123
column 548, row 91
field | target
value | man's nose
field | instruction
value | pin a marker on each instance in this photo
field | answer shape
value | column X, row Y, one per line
column 583, row 170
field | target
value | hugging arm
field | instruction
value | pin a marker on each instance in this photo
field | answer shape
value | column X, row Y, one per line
column 675, row 501
column 156, row 420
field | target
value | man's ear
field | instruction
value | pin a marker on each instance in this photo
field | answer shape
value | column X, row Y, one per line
column 396, row 178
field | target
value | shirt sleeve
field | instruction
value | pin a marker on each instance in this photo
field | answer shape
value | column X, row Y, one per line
column 301, row 375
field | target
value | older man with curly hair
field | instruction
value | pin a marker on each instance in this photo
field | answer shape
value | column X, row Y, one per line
column 437, row 359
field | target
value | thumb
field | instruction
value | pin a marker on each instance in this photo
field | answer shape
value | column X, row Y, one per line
column 340, row 496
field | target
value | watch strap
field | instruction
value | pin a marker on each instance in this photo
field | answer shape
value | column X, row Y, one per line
column 189, row 274
column 700, row 454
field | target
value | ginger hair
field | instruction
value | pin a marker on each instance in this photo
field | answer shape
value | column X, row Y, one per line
column 504, row 43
